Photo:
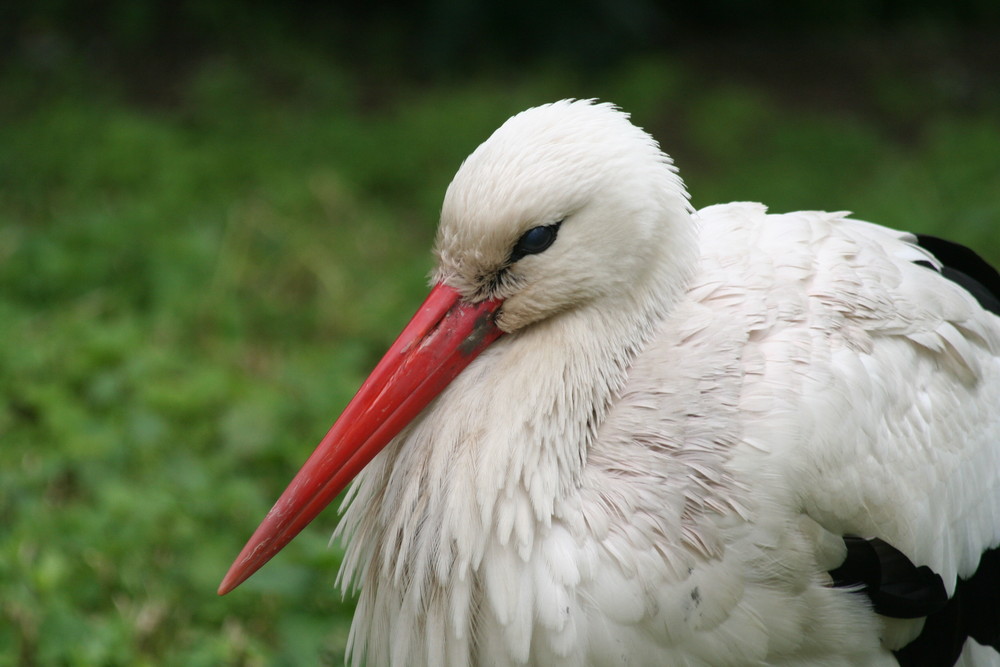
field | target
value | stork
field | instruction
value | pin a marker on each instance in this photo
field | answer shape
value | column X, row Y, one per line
column 621, row 431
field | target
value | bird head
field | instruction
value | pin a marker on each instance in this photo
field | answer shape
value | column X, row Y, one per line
column 565, row 206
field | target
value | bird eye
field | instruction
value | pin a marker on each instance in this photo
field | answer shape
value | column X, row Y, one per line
column 534, row 241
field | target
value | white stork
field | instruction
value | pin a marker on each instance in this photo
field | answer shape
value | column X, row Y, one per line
column 621, row 431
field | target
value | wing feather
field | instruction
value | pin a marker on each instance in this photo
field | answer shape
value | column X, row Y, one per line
column 890, row 369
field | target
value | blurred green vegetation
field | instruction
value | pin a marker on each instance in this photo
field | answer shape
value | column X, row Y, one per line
column 199, row 263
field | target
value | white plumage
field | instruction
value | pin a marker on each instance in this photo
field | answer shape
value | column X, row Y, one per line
column 656, row 465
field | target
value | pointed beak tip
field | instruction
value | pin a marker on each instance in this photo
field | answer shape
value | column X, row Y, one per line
column 443, row 337
column 230, row 581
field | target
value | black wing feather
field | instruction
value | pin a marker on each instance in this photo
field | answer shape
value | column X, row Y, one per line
column 899, row 589
column 963, row 266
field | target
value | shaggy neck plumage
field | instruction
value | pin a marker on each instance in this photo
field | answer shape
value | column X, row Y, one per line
column 489, row 460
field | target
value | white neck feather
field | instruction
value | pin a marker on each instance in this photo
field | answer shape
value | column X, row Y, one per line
column 489, row 460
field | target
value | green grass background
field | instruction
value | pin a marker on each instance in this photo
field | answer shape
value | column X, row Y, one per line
column 193, row 283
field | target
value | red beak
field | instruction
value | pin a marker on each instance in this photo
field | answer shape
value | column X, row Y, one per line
column 441, row 339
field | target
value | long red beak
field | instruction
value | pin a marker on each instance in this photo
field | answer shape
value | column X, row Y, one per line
column 441, row 339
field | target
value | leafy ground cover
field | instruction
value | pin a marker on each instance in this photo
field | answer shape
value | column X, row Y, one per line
column 190, row 292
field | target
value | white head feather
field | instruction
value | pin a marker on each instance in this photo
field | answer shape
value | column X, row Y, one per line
column 624, row 208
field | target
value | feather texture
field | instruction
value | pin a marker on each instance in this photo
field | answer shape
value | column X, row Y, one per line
column 656, row 466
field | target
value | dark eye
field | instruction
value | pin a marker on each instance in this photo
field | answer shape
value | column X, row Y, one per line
column 534, row 241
